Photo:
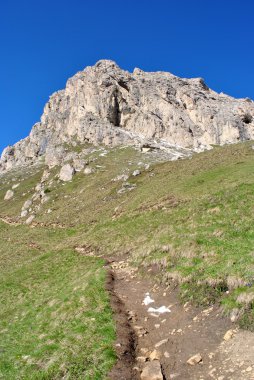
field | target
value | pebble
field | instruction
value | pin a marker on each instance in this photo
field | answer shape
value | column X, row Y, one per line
column 195, row 359
column 161, row 342
column 229, row 334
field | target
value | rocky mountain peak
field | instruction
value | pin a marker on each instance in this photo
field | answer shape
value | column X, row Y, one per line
column 104, row 104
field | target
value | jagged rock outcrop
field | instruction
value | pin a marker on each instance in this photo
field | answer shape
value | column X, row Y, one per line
column 106, row 105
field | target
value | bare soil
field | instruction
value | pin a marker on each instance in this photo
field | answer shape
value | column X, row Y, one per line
column 178, row 335
column 126, row 341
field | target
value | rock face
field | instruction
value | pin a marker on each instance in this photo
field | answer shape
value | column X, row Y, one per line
column 106, row 105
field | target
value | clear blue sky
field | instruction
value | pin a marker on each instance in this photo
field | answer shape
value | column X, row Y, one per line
column 43, row 42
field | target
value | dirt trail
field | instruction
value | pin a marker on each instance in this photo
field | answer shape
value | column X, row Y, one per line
column 9, row 221
column 179, row 334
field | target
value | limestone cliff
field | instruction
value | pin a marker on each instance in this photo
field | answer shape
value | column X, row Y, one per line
column 106, row 105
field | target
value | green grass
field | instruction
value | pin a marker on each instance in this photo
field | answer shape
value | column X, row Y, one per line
column 192, row 219
column 55, row 317
column 202, row 209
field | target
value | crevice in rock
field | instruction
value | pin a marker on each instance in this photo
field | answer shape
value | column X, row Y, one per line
column 123, row 85
column 115, row 114
column 191, row 132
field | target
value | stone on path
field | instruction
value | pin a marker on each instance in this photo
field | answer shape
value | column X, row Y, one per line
column 152, row 371
column 161, row 342
column 155, row 355
column 195, row 359
column 229, row 334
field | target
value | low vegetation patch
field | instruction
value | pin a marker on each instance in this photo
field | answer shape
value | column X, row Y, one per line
column 55, row 318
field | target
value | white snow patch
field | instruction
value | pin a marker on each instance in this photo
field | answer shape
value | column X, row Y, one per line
column 160, row 310
column 147, row 300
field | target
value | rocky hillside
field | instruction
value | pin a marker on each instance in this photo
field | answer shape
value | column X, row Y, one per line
column 180, row 230
column 106, row 105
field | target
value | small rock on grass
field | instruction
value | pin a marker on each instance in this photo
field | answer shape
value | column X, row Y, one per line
column 27, row 204
column 136, row 173
column 30, row 219
column 9, row 194
column 195, row 359
column 234, row 315
column 152, row 371
column 23, row 213
column 88, row 170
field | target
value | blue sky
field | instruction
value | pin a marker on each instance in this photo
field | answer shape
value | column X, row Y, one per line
column 43, row 43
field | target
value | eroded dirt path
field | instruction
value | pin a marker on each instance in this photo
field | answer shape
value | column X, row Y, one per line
column 176, row 335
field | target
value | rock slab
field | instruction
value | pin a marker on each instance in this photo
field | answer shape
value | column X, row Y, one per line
column 152, row 371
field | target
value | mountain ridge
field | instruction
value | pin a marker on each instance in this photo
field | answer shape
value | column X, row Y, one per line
column 104, row 104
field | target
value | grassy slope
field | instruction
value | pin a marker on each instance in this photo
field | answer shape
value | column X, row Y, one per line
column 192, row 219
column 55, row 317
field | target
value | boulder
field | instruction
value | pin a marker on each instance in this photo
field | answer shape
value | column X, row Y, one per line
column 88, row 170
column 66, row 173
column 9, row 194
column 27, row 204
column 78, row 165
column 136, row 172
column 30, row 219
column 24, row 213
column 39, row 187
